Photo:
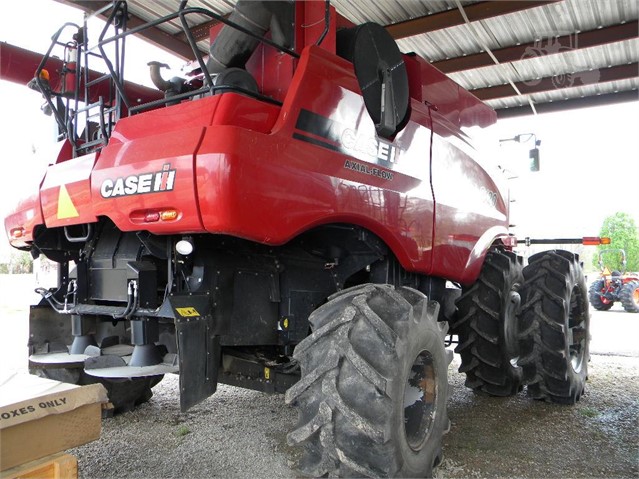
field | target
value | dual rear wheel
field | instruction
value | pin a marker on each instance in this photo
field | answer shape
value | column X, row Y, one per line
column 526, row 326
column 372, row 395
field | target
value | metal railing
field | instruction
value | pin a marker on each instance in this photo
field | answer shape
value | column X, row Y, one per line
column 109, row 108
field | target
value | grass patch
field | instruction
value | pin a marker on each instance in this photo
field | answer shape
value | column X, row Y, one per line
column 589, row 412
column 183, row 431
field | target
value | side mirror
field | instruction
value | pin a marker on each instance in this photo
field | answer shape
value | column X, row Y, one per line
column 534, row 159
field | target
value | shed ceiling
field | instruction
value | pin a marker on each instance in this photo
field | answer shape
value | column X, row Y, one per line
column 520, row 57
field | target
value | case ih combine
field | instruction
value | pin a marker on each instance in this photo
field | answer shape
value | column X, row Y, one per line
column 304, row 214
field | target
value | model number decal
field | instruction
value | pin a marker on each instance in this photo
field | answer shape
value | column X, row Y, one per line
column 489, row 197
column 154, row 182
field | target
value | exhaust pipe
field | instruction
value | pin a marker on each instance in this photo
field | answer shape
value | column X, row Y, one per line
column 156, row 77
column 172, row 87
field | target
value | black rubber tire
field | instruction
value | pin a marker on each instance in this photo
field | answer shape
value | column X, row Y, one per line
column 594, row 296
column 367, row 343
column 629, row 296
column 124, row 394
column 486, row 326
column 554, row 329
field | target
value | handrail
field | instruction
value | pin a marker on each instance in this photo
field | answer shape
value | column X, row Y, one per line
column 46, row 91
column 67, row 118
column 213, row 15
column 181, row 14
column 193, row 44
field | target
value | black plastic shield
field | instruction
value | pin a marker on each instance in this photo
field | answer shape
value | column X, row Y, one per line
column 199, row 356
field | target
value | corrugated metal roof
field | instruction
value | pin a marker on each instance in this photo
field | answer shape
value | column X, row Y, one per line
column 387, row 12
column 537, row 66
column 532, row 23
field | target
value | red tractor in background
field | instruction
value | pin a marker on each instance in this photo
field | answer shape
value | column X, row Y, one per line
column 306, row 214
column 615, row 286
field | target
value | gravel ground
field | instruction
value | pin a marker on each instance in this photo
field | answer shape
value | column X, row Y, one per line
column 238, row 433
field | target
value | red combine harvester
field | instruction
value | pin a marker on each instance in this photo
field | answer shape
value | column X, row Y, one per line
column 307, row 214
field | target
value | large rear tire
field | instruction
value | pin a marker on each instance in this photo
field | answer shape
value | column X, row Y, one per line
column 372, row 396
column 486, row 326
column 597, row 301
column 554, row 329
column 629, row 296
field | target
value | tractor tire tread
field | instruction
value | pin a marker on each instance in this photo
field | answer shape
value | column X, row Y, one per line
column 549, row 281
column 627, row 297
column 478, row 327
column 594, row 296
column 352, row 353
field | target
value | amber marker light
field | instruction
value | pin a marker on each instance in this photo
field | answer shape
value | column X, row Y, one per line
column 595, row 240
column 168, row 215
column 17, row 233
column 154, row 215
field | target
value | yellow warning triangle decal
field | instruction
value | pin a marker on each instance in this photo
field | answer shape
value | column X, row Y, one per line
column 66, row 208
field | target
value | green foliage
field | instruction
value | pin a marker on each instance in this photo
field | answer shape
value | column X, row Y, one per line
column 19, row 263
column 622, row 231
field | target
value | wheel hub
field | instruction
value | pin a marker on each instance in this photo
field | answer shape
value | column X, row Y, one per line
column 511, row 309
column 577, row 335
column 420, row 400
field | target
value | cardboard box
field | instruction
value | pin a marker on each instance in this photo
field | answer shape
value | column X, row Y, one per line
column 39, row 417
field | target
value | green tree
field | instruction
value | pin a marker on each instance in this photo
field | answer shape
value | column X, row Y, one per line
column 623, row 234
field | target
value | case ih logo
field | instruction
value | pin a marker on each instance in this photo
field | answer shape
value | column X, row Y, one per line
column 373, row 147
column 322, row 131
column 139, row 184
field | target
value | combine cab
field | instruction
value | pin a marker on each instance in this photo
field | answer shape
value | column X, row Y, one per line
column 615, row 286
column 305, row 213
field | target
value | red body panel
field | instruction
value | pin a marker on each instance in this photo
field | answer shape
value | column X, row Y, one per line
column 266, row 173
column 74, row 177
column 457, row 105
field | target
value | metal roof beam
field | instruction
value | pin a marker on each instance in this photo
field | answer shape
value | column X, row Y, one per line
column 154, row 35
column 452, row 17
column 570, row 104
column 576, row 41
column 557, row 82
column 202, row 31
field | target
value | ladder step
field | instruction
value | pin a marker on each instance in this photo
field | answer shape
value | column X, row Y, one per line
column 100, row 79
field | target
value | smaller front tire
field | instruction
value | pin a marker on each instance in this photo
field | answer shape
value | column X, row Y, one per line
column 629, row 296
column 595, row 295
column 554, row 327
column 486, row 326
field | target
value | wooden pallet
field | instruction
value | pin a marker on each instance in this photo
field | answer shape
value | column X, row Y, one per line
column 56, row 466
